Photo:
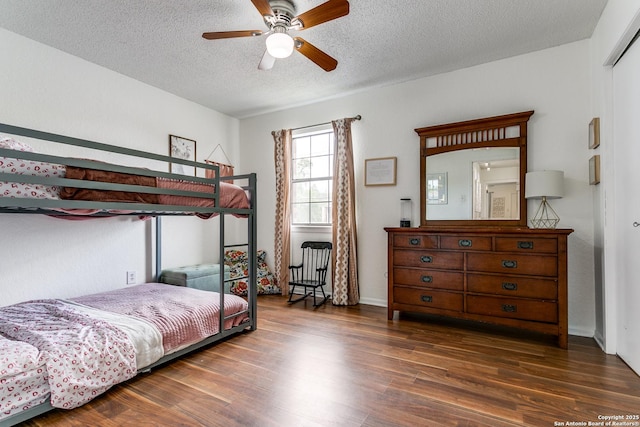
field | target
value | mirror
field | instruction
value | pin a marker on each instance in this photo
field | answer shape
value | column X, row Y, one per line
column 472, row 173
column 474, row 184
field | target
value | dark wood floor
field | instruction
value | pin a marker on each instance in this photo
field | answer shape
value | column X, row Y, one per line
column 349, row 366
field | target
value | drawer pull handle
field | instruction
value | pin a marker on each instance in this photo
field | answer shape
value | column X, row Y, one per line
column 427, row 279
column 414, row 241
column 426, row 298
column 525, row 245
column 465, row 243
column 509, row 286
column 426, row 258
column 509, row 263
column 508, row 308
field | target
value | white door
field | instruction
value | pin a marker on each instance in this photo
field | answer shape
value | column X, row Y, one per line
column 626, row 96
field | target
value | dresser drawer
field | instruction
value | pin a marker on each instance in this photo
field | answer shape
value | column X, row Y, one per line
column 429, row 278
column 428, row 298
column 471, row 243
column 515, row 286
column 527, row 244
column 428, row 259
column 538, row 265
column 514, row 308
column 415, row 241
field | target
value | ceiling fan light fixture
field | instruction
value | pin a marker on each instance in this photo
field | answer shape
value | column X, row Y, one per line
column 279, row 45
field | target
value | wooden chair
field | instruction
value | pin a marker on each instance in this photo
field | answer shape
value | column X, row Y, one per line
column 311, row 273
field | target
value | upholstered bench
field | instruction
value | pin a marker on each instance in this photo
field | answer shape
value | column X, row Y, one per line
column 202, row 276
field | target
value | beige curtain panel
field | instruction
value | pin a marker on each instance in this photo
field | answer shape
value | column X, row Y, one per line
column 345, row 260
column 282, row 244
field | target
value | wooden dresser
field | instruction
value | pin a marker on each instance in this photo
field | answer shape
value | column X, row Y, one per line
column 508, row 276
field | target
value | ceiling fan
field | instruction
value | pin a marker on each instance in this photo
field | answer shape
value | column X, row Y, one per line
column 280, row 17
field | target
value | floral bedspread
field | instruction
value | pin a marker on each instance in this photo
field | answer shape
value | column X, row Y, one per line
column 22, row 377
column 84, row 357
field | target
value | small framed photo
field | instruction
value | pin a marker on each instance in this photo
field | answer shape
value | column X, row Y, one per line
column 381, row 171
column 594, row 133
column 182, row 148
column 594, row 170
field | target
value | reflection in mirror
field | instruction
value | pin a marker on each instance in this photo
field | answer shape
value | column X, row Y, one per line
column 496, row 189
column 482, row 183
column 437, row 188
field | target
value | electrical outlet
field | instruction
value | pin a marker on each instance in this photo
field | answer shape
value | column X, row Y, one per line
column 131, row 277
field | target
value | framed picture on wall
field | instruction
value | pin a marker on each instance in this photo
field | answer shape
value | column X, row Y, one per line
column 594, row 170
column 381, row 171
column 182, row 148
column 594, row 133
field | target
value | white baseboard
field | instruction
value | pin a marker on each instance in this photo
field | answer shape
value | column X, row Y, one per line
column 588, row 333
column 374, row 301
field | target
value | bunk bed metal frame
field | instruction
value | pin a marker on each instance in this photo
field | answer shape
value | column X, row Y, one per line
column 51, row 206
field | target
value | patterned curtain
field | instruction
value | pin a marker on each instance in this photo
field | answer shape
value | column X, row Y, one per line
column 345, row 262
column 282, row 157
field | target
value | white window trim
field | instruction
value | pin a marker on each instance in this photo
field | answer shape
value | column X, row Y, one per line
column 304, row 228
column 308, row 131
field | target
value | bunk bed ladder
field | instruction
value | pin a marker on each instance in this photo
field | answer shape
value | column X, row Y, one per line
column 252, row 255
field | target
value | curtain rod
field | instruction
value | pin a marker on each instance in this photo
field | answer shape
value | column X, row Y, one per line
column 358, row 117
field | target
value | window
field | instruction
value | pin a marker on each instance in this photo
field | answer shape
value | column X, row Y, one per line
column 312, row 178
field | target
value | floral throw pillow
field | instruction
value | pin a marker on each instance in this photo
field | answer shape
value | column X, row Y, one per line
column 238, row 264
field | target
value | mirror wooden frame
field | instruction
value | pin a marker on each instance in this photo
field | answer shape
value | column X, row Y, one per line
column 479, row 133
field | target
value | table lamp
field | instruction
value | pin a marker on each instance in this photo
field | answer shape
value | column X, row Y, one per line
column 544, row 185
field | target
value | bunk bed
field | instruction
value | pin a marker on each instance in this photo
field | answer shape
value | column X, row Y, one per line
column 132, row 329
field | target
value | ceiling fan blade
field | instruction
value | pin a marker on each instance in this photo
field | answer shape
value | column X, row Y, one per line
column 263, row 7
column 231, row 34
column 327, row 11
column 323, row 60
column 267, row 61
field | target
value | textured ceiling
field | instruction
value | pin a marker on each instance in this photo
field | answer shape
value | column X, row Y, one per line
column 380, row 42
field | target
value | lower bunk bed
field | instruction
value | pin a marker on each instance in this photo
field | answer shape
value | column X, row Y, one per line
column 62, row 353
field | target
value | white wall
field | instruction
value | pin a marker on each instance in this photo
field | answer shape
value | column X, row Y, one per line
column 553, row 82
column 617, row 24
column 45, row 89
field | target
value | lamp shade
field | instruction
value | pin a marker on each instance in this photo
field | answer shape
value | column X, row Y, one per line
column 549, row 184
column 279, row 45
